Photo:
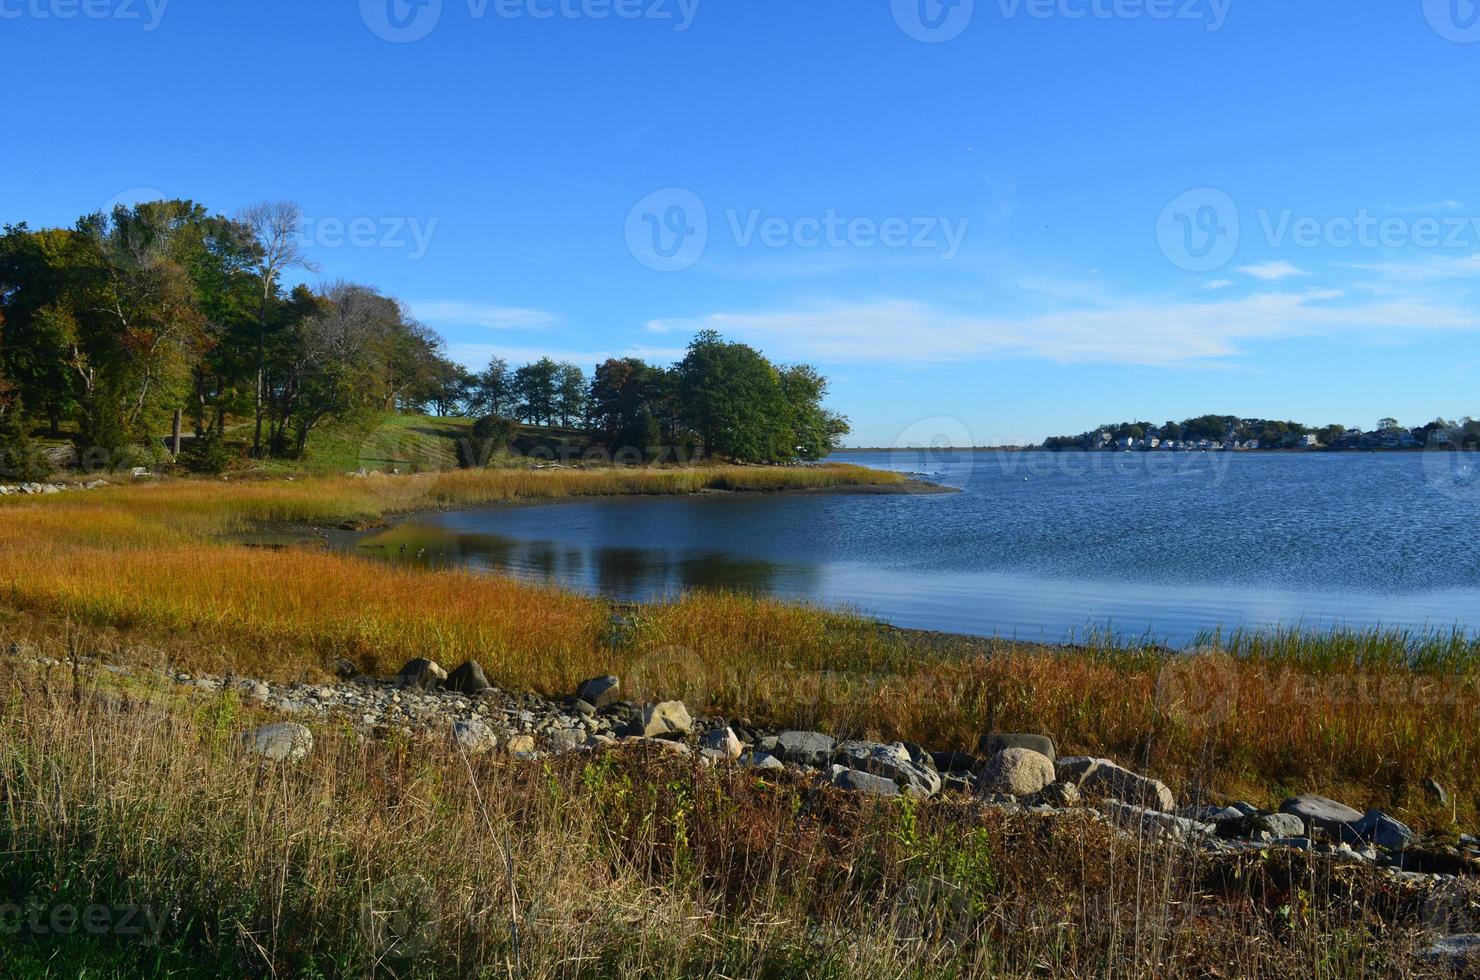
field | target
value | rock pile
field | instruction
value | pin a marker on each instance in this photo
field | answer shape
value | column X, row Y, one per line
column 1011, row 770
column 40, row 488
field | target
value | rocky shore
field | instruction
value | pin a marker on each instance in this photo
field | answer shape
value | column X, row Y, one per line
column 1019, row 772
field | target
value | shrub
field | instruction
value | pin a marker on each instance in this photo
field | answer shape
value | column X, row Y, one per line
column 207, row 455
column 490, row 434
column 20, row 458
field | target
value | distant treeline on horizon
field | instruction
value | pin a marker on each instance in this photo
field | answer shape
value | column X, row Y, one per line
column 1233, row 432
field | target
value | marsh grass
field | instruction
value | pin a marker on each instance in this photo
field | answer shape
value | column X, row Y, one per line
column 406, row 859
column 1360, row 716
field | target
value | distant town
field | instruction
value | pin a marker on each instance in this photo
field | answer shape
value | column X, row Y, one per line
column 1217, row 433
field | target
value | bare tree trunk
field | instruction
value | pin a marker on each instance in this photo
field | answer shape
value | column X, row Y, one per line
column 175, row 433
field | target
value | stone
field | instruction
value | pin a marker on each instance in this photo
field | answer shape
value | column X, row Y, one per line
column 862, row 782
column 421, row 673
column 344, row 669
column 1059, row 795
column 564, row 739
column 1459, row 953
column 723, row 741
column 467, row 679
column 805, row 748
column 1436, row 791
column 599, row 692
column 1015, row 771
column 756, row 759
column 1250, row 826
column 1378, row 828
column 521, row 746
column 994, row 742
column 1294, row 843
column 1319, row 813
column 282, row 742
column 1149, row 821
column 667, row 718
column 1101, row 777
column 663, row 745
column 893, row 762
column 473, row 736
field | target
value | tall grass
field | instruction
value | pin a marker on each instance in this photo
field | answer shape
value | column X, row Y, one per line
column 396, row 859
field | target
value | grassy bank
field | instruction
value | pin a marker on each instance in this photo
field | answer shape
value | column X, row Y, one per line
column 1362, row 717
column 386, row 859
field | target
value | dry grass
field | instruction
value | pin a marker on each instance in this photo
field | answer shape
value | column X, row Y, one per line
column 384, row 859
column 1362, row 717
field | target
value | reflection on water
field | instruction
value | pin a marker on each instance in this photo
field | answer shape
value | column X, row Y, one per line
column 1036, row 547
column 622, row 572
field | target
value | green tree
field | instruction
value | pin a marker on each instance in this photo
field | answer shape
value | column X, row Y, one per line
column 570, row 395
column 537, row 388
column 492, row 390
column 815, row 431
column 21, row 460
column 731, row 396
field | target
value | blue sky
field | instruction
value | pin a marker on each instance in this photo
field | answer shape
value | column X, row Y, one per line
column 992, row 221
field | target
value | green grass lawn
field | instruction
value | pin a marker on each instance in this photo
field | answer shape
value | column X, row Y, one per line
column 384, row 441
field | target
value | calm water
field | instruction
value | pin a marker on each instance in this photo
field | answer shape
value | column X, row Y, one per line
column 1036, row 546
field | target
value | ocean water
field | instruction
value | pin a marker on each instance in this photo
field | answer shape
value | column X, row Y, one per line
column 1037, row 546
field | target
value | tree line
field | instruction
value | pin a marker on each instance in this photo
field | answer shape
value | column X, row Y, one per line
column 110, row 327
column 1268, row 433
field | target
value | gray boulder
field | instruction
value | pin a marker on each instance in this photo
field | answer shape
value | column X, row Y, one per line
column 805, row 748
column 994, row 742
column 473, row 736
column 668, row 718
column 890, row 761
column 1101, row 777
column 1376, row 827
column 1319, row 813
column 421, row 673
column 1155, row 822
column 467, row 679
column 283, row 742
column 1059, row 795
column 599, row 692
column 722, row 741
column 756, row 759
column 1459, row 953
column 862, row 782
column 1251, row 826
column 1016, row 772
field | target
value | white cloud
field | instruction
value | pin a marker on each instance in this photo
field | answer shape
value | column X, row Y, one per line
column 1272, row 271
column 1120, row 332
column 1218, row 284
column 481, row 315
column 1433, row 269
column 1447, row 205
